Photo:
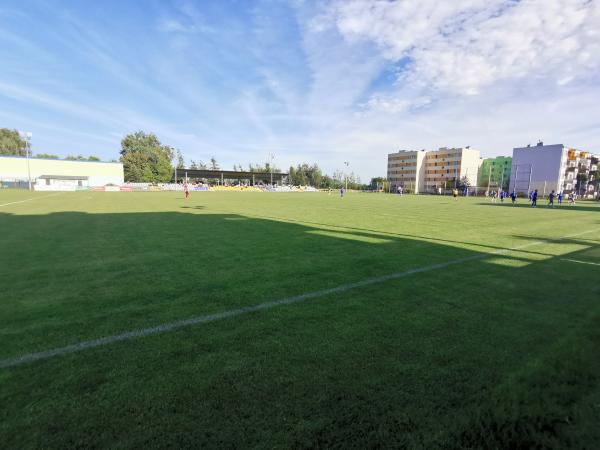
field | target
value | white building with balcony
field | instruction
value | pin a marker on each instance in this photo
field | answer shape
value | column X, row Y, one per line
column 552, row 168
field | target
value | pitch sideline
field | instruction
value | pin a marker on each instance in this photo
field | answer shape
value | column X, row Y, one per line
column 107, row 340
column 30, row 199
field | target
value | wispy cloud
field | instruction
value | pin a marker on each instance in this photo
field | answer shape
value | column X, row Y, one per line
column 309, row 81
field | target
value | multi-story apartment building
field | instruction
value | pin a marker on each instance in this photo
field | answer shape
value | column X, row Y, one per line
column 495, row 172
column 426, row 171
column 580, row 172
column 406, row 169
column 553, row 168
column 445, row 167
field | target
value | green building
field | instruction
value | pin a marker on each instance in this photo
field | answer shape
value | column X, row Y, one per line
column 495, row 171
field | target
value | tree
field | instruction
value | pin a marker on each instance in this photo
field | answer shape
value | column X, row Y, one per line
column 46, row 156
column 180, row 160
column 11, row 143
column 145, row 159
column 464, row 183
column 193, row 165
column 377, row 182
column 80, row 158
column 213, row 164
column 582, row 180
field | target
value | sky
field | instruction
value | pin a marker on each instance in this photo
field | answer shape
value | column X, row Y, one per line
column 306, row 81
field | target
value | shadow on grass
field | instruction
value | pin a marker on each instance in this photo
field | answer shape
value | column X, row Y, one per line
column 543, row 204
column 380, row 233
column 473, row 355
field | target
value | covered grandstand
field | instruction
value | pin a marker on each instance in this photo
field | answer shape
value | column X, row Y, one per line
column 224, row 176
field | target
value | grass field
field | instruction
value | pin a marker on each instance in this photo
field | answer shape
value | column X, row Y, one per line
column 467, row 344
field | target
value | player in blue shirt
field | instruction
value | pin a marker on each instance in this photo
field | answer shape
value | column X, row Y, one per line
column 534, row 197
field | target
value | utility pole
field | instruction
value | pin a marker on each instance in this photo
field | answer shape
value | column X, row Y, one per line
column 271, row 156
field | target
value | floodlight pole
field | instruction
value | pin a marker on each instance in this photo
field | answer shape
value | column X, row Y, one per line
column 27, row 136
column 346, row 175
column 271, row 156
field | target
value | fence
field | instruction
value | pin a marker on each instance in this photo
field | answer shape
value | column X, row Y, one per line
column 13, row 183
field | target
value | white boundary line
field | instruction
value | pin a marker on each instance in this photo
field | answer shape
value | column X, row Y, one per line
column 29, row 199
column 582, row 262
column 170, row 326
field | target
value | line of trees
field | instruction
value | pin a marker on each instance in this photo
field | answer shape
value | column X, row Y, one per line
column 311, row 175
column 146, row 159
column 76, row 158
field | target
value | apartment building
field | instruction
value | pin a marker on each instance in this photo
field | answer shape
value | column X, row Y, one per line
column 553, row 168
column 445, row 168
column 427, row 171
column 406, row 170
column 495, row 172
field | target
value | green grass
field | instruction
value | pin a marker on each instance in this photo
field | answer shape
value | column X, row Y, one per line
column 496, row 352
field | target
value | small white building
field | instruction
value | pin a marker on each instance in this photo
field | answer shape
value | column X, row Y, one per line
column 59, row 174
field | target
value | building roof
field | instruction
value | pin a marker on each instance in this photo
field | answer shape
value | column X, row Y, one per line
column 62, row 177
column 228, row 174
column 61, row 159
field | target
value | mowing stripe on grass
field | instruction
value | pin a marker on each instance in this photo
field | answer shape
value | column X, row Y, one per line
column 83, row 345
column 29, row 199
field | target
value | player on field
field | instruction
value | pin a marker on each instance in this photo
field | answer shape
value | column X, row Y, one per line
column 534, row 197
column 513, row 197
column 551, row 199
column 186, row 189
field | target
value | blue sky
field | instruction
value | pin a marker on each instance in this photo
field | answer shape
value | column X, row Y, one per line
column 321, row 82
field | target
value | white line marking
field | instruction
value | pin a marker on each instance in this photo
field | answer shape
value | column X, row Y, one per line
column 170, row 326
column 29, row 199
column 582, row 262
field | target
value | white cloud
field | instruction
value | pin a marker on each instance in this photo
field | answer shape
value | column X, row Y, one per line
column 463, row 47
